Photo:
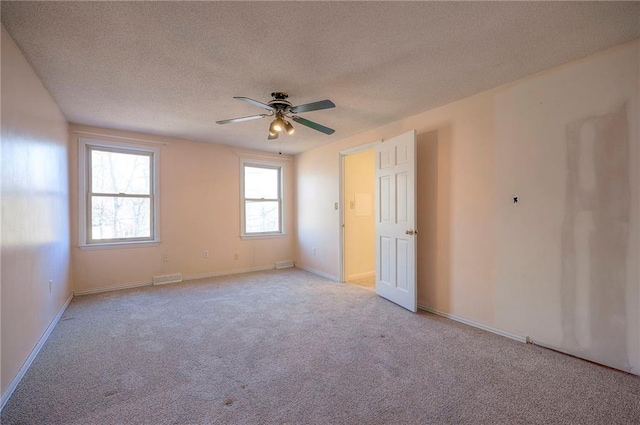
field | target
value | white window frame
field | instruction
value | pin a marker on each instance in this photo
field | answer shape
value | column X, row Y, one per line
column 270, row 165
column 84, row 175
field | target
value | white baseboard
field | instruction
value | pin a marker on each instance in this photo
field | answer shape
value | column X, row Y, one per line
column 360, row 275
column 186, row 277
column 586, row 356
column 227, row 272
column 114, row 287
column 500, row 332
column 318, row 272
column 25, row 366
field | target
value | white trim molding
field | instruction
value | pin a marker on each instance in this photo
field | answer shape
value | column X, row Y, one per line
column 341, row 201
column 360, row 148
column 457, row 318
column 114, row 287
column 85, row 147
column 228, row 272
column 269, row 165
column 27, row 363
column 184, row 278
column 113, row 136
column 126, row 245
column 318, row 273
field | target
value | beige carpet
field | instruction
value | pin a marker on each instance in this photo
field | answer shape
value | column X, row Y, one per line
column 367, row 282
column 289, row 347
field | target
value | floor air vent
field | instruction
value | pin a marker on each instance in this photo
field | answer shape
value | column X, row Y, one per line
column 284, row 264
column 167, row 278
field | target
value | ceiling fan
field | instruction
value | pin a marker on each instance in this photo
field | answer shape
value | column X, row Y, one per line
column 282, row 109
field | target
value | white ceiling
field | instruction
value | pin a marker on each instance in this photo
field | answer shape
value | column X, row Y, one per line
column 172, row 68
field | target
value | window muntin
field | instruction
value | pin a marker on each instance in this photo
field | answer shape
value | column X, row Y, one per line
column 261, row 199
column 120, row 172
column 119, row 203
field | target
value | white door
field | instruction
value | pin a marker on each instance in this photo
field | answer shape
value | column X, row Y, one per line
column 396, row 220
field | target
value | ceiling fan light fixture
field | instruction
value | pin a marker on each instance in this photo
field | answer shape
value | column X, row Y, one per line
column 278, row 124
column 274, row 128
column 288, row 127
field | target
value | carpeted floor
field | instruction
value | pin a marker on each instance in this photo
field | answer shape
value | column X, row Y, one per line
column 289, row 347
column 365, row 282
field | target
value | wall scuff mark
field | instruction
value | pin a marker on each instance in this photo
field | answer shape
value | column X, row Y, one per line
column 595, row 237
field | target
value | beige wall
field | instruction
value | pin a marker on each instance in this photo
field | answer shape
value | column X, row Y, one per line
column 567, row 142
column 359, row 215
column 561, row 266
column 199, row 210
column 35, row 210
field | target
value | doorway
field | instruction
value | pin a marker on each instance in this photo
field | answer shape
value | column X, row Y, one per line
column 378, row 222
column 358, row 218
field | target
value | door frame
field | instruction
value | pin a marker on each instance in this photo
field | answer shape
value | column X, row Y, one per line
column 342, row 207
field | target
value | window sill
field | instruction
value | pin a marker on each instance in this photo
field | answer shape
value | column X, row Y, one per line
column 118, row 245
column 264, row 236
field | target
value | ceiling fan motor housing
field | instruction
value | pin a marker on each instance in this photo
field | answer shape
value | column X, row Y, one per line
column 279, row 95
column 279, row 101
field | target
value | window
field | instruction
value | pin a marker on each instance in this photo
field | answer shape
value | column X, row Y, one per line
column 118, row 202
column 261, row 193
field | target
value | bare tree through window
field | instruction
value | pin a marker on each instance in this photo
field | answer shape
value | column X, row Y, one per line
column 262, row 199
column 120, row 194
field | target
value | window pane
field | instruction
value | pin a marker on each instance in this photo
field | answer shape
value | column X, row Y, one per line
column 118, row 218
column 114, row 172
column 262, row 216
column 260, row 183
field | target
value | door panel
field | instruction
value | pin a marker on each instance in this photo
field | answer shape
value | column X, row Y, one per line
column 402, row 154
column 402, row 215
column 385, row 199
column 396, row 220
column 402, row 253
column 385, row 260
column 384, row 159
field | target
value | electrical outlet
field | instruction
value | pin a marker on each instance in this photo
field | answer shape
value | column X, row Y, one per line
column 236, row 256
column 205, row 254
column 50, row 285
column 313, row 251
column 165, row 258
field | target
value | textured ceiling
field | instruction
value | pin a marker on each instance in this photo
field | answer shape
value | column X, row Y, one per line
column 172, row 68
